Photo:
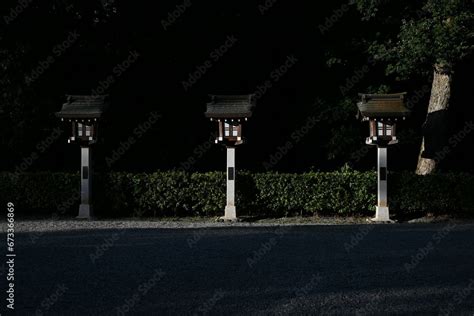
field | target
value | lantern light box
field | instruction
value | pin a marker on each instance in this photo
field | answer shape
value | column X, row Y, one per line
column 382, row 111
column 230, row 112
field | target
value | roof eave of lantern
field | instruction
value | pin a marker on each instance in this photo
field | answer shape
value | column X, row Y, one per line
column 84, row 107
column 382, row 96
column 226, row 116
column 250, row 98
column 77, row 116
column 382, row 107
column 230, row 107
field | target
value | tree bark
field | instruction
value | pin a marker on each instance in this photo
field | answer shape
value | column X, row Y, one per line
column 439, row 100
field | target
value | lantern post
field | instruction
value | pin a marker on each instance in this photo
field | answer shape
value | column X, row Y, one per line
column 382, row 111
column 84, row 112
column 230, row 111
column 230, row 211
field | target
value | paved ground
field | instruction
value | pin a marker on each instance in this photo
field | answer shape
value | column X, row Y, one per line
column 298, row 270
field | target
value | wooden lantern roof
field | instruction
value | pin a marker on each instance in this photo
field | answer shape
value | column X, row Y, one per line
column 81, row 107
column 230, row 106
column 382, row 106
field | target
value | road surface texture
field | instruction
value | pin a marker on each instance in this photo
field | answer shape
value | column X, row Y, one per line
column 423, row 269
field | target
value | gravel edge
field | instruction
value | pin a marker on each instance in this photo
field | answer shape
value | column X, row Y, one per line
column 47, row 225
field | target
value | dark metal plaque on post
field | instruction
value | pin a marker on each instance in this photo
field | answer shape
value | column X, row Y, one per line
column 85, row 173
column 231, row 173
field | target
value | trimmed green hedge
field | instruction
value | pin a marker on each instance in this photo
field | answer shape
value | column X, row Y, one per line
column 174, row 193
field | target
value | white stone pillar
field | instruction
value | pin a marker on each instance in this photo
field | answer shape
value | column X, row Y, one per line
column 230, row 211
column 85, row 209
column 382, row 211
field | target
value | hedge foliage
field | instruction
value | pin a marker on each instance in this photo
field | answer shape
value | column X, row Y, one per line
column 174, row 193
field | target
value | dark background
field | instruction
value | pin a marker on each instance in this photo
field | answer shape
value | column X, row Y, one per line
column 110, row 30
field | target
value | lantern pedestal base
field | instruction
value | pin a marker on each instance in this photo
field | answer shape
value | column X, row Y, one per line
column 230, row 214
column 85, row 211
column 381, row 215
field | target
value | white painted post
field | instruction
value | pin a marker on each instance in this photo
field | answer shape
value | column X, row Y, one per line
column 85, row 209
column 230, row 211
column 382, row 211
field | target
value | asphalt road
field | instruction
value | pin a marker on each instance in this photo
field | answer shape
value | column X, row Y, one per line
column 305, row 270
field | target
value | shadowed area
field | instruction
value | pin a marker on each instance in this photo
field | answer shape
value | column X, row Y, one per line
column 269, row 270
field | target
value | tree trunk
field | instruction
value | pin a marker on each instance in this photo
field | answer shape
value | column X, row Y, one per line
column 439, row 100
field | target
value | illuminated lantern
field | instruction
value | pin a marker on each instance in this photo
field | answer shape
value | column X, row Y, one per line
column 230, row 112
column 84, row 113
column 382, row 111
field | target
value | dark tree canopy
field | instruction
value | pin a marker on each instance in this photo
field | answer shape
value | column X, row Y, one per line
column 432, row 32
